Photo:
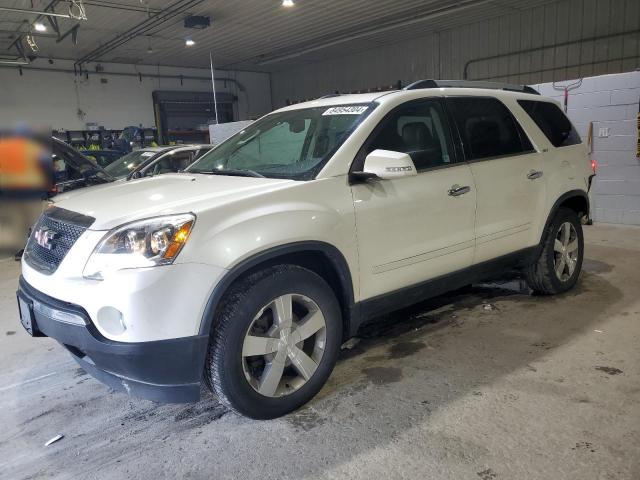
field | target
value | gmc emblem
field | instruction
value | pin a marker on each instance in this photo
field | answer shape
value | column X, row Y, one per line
column 45, row 237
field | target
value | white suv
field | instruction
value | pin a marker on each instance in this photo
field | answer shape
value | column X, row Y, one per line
column 251, row 268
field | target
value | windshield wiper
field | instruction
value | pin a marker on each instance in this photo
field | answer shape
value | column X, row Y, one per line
column 230, row 171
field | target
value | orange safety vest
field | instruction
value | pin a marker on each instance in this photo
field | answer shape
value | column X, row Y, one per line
column 20, row 165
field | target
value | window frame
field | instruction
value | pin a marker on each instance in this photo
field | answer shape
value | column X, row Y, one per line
column 461, row 139
column 358, row 160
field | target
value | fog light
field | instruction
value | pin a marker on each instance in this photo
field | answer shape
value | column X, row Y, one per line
column 111, row 320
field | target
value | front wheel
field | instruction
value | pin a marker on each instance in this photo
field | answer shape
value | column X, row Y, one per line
column 275, row 342
column 557, row 268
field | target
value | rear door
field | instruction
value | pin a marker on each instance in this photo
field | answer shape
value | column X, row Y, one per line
column 508, row 174
column 413, row 229
column 567, row 165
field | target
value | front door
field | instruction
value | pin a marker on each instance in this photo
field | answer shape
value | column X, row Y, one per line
column 416, row 228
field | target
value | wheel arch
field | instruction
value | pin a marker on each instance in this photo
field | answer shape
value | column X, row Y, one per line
column 576, row 200
column 322, row 258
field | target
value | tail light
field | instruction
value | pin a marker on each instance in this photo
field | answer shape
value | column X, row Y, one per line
column 594, row 165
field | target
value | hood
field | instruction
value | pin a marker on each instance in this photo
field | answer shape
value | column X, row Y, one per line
column 120, row 202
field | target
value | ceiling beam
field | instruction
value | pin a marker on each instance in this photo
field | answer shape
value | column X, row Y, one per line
column 73, row 31
column 35, row 34
column 35, row 12
column 122, row 6
column 53, row 21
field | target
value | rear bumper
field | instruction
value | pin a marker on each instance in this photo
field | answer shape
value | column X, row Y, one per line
column 162, row 370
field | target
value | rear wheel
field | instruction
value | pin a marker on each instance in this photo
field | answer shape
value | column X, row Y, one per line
column 558, row 266
column 275, row 342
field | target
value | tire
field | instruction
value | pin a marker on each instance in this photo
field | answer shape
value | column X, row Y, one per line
column 542, row 276
column 255, row 309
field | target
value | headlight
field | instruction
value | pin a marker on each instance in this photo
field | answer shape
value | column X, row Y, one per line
column 145, row 243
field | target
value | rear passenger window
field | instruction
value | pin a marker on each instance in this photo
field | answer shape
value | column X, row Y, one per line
column 418, row 128
column 487, row 127
column 552, row 121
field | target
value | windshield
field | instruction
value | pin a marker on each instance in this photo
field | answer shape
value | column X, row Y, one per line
column 127, row 164
column 293, row 144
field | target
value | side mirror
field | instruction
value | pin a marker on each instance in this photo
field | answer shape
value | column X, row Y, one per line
column 386, row 165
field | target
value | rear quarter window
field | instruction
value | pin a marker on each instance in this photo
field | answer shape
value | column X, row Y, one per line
column 552, row 121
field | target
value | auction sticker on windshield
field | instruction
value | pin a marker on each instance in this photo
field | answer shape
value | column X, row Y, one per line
column 346, row 110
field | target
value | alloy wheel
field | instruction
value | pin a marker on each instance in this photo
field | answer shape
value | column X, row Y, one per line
column 565, row 249
column 284, row 345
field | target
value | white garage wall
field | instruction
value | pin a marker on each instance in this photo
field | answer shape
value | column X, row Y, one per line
column 444, row 54
column 611, row 102
column 53, row 98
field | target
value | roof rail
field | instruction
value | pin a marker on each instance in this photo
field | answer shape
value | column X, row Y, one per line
column 330, row 95
column 470, row 84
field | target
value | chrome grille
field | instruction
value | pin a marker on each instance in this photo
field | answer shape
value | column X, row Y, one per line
column 65, row 228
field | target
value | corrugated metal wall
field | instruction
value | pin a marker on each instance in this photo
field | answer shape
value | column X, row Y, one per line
column 561, row 40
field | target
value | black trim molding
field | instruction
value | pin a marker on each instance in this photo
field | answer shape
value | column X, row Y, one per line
column 413, row 294
column 563, row 198
column 336, row 258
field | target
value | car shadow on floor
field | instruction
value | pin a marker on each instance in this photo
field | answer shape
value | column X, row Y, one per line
column 435, row 313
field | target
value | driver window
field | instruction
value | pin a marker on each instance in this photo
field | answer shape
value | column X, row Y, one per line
column 418, row 128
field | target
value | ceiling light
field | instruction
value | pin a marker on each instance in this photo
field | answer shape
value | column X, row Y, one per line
column 31, row 41
column 40, row 27
column 287, row 3
column 189, row 42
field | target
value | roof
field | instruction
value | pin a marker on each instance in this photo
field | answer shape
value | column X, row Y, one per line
column 392, row 95
column 347, row 99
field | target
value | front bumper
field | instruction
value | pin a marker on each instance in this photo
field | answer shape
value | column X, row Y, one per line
column 162, row 370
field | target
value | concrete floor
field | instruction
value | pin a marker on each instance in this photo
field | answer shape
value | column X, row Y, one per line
column 488, row 383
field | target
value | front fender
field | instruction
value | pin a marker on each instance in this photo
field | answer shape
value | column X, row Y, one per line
column 333, row 255
column 316, row 215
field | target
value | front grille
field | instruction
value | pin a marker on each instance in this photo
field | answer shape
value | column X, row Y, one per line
column 64, row 229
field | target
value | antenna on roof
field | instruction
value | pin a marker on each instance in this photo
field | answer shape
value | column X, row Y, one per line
column 213, row 87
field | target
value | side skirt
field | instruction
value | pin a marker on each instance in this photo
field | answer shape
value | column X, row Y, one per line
column 404, row 297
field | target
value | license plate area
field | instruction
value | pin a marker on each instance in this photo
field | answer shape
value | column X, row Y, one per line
column 27, row 318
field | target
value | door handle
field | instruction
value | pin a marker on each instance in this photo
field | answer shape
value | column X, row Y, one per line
column 533, row 174
column 456, row 190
